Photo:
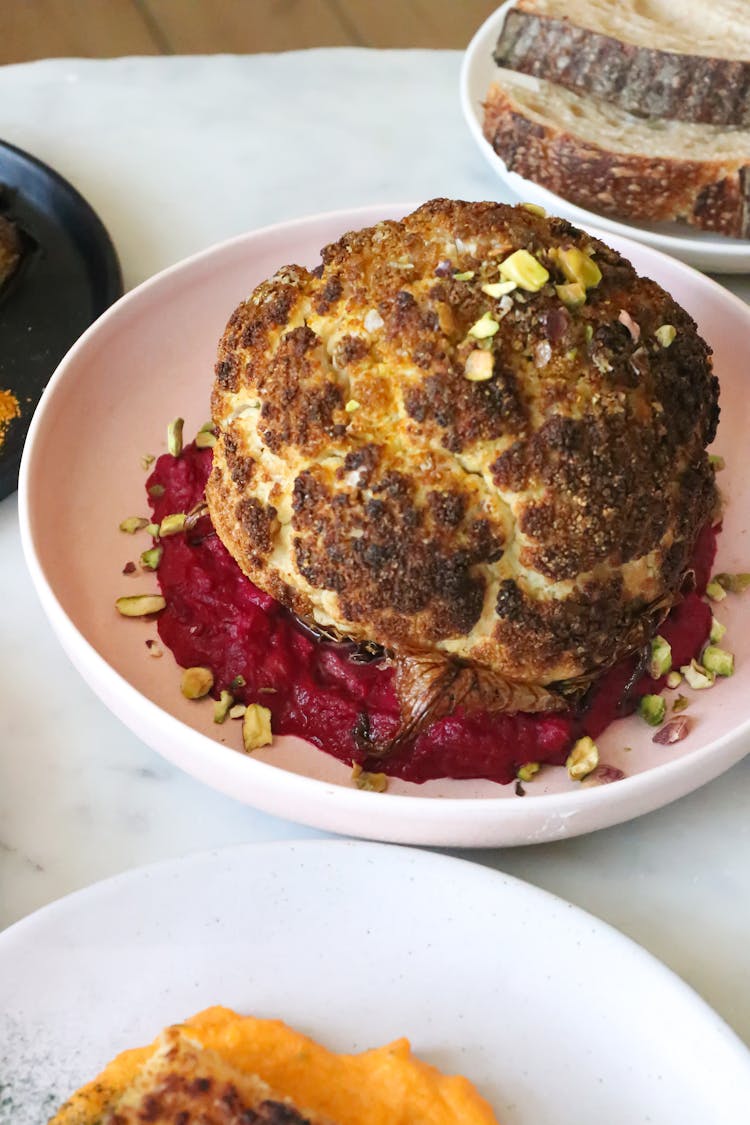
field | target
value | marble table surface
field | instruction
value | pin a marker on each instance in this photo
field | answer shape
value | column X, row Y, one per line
column 176, row 154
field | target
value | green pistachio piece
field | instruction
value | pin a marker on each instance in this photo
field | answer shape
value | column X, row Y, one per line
column 715, row 591
column 174, row 436
column 652, row 708
column 497, row 289
column 527, row 771
column 147, row 461
column 583, row 758
column 485, row 327
column 222, row 706
column 666, row 334
column 734, row 583
column 172, row 525
column 572, row 294
column 196, row 682
column 535, row 209
column 523, row 268
column 372, row 782
column 140, row 605
column 238, row 711
column 674, row 679
column 256, row 727
column 718, row 661
column 152, row 529
column 680, row 703
column 204, row 439
column 577, row 266
column 465, row 276
column 150, row 559
column 351, row 406
column 718, row 462
column 661, row 658
column 717, row 631
column 697, row 676
column 133, row 524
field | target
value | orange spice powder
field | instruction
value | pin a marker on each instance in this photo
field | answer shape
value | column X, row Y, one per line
column 9, row 409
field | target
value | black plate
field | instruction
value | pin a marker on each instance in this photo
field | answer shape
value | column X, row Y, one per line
column 68, row 276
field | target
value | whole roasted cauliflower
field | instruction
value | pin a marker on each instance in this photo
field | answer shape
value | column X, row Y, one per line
column 474, row 438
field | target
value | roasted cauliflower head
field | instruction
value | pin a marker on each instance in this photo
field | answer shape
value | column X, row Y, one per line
column 475, row 438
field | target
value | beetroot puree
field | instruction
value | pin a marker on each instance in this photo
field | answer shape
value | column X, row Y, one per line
column 216, row 618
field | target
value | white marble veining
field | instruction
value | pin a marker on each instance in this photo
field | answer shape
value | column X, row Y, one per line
column 176, row 154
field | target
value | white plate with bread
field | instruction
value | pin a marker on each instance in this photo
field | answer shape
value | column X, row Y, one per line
column 600, row 113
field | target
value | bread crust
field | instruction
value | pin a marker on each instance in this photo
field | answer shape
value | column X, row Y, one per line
column 537, row 523
column 642, row 80
column 711, row 195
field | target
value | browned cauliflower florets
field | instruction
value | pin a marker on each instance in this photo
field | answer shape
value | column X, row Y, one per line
column 501, row 485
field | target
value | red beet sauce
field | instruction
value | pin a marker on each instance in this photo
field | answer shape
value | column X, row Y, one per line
column 216, row 618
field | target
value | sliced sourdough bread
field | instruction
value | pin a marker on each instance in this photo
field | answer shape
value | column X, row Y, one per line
column 683, row 59
column 595, row 155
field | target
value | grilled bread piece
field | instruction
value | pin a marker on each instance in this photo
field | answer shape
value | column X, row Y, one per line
column 501, row 490
column 655, row 58
column 219, row 1068
column 599, row 157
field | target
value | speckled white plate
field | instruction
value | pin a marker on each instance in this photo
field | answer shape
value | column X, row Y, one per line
column 150, row 359
column 557, row 1018
column 698, row 248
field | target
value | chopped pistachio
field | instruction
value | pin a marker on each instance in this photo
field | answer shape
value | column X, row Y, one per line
column 152, row 529
column 674, row 679
column 465, row 276
column 588, row 332
column 527, row 771
column 661, row 658
column 133, row 524
column 577, row 266
column 206, row 428
column 172, row 525
column 222, row 706
column 498, row 289
column 697, row 676
column 150, row 559
column 238, row 682
column 485, row 327
column 196, row 682
column 572, row 294
column 174, row 436
column 535, row 209
column 154, row 648
column 237, row 711
column 523, row 268
column 204, row 439
column 718, row 462
column 666, row 334
column 717, row 631
column 351, row 406
column 479, row 366
column 652, row 708
column 256, row 727
column 147, row 461
column 372, row 782
column 140, row 605
column 156, row 490
column 718, row 660
column 715, row 591
column 734, row 583
column 673, row 731
column 680, row 703
column 583, row 758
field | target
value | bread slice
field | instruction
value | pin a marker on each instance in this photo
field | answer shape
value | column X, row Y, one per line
column 595, row 155
column 687, row 60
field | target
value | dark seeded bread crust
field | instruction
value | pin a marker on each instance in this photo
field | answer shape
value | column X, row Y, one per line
column 712, row 195
column 642, row 80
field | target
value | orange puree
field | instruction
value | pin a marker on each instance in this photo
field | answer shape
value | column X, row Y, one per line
column 383, row 1086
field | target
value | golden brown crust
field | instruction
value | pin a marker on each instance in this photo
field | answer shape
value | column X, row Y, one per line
column 535, row 523
column 710, row 194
